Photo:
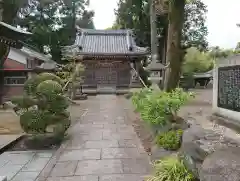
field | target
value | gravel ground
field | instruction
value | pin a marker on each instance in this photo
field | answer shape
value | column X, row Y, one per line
column 199, row 111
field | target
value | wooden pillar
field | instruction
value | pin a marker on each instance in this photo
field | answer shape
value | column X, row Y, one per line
column 137, row 66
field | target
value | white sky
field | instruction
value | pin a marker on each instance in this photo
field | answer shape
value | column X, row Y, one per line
column 222, row 18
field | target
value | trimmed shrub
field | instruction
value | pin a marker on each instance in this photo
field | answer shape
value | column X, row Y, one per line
column 170, row 140
column 158, row 107
column 43, row 104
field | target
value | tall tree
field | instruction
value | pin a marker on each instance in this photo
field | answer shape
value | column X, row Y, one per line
column 195, row 30
column 135, row 14
column 179, row 26
column 53, row 25
column 9, row 10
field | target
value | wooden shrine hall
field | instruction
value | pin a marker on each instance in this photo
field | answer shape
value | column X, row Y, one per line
column 108, row 57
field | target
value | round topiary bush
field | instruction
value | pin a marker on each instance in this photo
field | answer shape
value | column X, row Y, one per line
column 49, row 87
column 43, row 105
column 30, row 85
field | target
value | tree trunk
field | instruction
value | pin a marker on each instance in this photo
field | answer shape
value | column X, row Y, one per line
column 174, row 50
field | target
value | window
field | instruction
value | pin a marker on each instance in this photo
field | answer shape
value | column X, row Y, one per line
column 14, row 80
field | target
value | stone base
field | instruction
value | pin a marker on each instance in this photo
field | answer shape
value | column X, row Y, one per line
column 118, row 91
column 199, row 143
column 81, row 97
column 229, row 123
column 122, row 91
column 90, row 91
column 222, row 165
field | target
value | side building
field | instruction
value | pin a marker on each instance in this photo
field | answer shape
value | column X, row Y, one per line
column 19, row 66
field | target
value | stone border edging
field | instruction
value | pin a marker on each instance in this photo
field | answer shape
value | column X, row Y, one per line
column 224, row 121
column 7, row 146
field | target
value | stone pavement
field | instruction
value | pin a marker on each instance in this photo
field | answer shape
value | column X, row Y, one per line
column 23, row 165
column 103, row 147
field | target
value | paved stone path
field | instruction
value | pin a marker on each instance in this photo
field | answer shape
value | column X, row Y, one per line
column 103, row 147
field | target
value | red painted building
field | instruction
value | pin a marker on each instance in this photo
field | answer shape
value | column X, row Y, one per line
column 21, row 64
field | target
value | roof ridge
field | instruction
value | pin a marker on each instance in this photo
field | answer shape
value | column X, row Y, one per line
column 104, row 32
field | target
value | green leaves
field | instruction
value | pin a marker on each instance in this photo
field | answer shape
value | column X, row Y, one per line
column 196, row 61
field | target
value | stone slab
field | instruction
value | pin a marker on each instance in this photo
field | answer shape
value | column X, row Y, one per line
column 91, row 136
column 25, row 176
column 85, row 154
column 102, row 144
column 129, row 143
column 18, row 158
column 23, row 165
column 109, row 135
column 10, row 170
column 35, row 165
column 64, row 169
column 122, row 177
column 74, row 178
column 98, row 167
column 136, row 166
column 44, row 154
column 118, row 153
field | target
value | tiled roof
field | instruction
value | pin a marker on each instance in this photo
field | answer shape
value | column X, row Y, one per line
column 35, row 54
column 105, row 42
column 18, row 30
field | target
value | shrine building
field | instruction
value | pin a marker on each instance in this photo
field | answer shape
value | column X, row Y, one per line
column 108, row 57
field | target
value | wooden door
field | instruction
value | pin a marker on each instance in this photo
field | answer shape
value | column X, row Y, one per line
column 106, row 75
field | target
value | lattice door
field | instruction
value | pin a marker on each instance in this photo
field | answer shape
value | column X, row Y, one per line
column 106, row 74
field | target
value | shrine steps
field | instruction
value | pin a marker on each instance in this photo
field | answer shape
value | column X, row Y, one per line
column 118, row 91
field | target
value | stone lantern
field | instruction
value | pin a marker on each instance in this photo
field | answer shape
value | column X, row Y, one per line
column 156, row 71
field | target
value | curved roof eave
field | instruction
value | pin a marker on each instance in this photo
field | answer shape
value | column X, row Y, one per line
column 14, row 28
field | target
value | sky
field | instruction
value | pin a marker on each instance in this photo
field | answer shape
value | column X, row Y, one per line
column 222, row 18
